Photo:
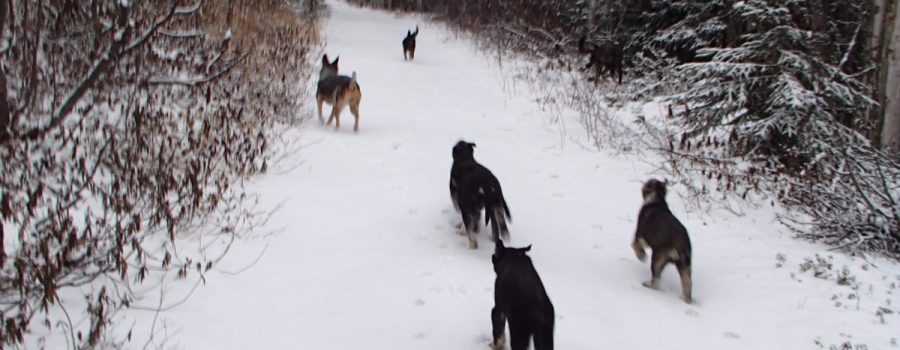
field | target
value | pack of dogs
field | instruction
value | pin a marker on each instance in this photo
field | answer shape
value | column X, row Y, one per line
column 520, row 299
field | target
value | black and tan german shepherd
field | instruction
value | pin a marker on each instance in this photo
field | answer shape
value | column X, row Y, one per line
column 473, row 188
column 409, row 44
column 339, row 91
column 660, row 231
column 520, row 298
column 604, row 57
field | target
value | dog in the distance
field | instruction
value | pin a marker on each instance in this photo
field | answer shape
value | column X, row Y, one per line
column 473, row 188
column 604, row 57
column 520, row 297
column 409, row 44
column 339, row 91
column 660, row 231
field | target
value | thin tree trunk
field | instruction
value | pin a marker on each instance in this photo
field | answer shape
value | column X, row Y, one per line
column 887, row 34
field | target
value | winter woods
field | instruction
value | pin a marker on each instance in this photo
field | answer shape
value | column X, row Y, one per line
column 783, row 100
column 126, row 128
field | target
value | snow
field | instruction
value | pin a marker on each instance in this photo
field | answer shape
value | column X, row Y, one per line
column 367, row 256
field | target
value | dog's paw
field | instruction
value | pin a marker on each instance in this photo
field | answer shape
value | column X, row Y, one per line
column 498, row 343
column 650, row 284
column 473, row 243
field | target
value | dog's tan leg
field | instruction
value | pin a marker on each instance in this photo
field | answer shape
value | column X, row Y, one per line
column 354, row 109
column 470, row 234
column 473, row 242
column 658, row 262
column 686, row 284
column 335, row 114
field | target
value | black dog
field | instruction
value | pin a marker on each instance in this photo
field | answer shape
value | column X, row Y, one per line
column 659, row 230
column 473, row 188
column 409, row 44
column 606, row 57
column 519, row 296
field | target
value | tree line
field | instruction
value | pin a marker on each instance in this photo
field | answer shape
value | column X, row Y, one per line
column 792, row 101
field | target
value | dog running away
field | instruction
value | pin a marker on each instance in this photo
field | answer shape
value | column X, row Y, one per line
column 339, row 91
column 473, row 188
column 409, row 44
column 605, row 57
column 659, row 230
column 520, row 297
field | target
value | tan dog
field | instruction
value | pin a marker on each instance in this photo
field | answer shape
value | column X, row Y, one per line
column 339, row 91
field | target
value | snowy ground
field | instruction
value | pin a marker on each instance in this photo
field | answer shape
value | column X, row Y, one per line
column 367, row 256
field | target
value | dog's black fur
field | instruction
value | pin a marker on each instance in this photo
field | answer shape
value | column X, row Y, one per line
column 473, row 188
column 665, row 236
column 520, row 297
column 409, row 44
column 605, row 57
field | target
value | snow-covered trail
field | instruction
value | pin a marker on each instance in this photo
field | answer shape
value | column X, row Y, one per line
column 368, row 257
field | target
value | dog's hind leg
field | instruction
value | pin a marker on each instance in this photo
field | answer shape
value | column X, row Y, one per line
column 319, row 101
column 336, row 116
column 470, row 223
column 519, row 333
column 685, row 271
column 498, row 320
column 354, row 109
column 657, row 262
column 543, row 337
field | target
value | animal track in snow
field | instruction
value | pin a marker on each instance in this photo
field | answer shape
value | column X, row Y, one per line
column 732, row 335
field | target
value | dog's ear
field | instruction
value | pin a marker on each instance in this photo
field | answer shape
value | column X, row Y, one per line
column 417, row 31
column 528, row 248
column 336, row 60
column 325, row 59
column 471, row 144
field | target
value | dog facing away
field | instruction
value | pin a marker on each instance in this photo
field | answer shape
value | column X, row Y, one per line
column 605, row 57
column 520, row 298
column 473, row 188
column 339, row 91
column 660, row 231
column 409, row 44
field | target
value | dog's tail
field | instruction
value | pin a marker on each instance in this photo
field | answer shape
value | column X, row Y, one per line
column 498, row 213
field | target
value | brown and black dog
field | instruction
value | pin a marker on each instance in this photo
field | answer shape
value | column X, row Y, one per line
column 473, row 188
column 605, row 57
column 409, row 44
column 660, row 231
column 339, row 91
